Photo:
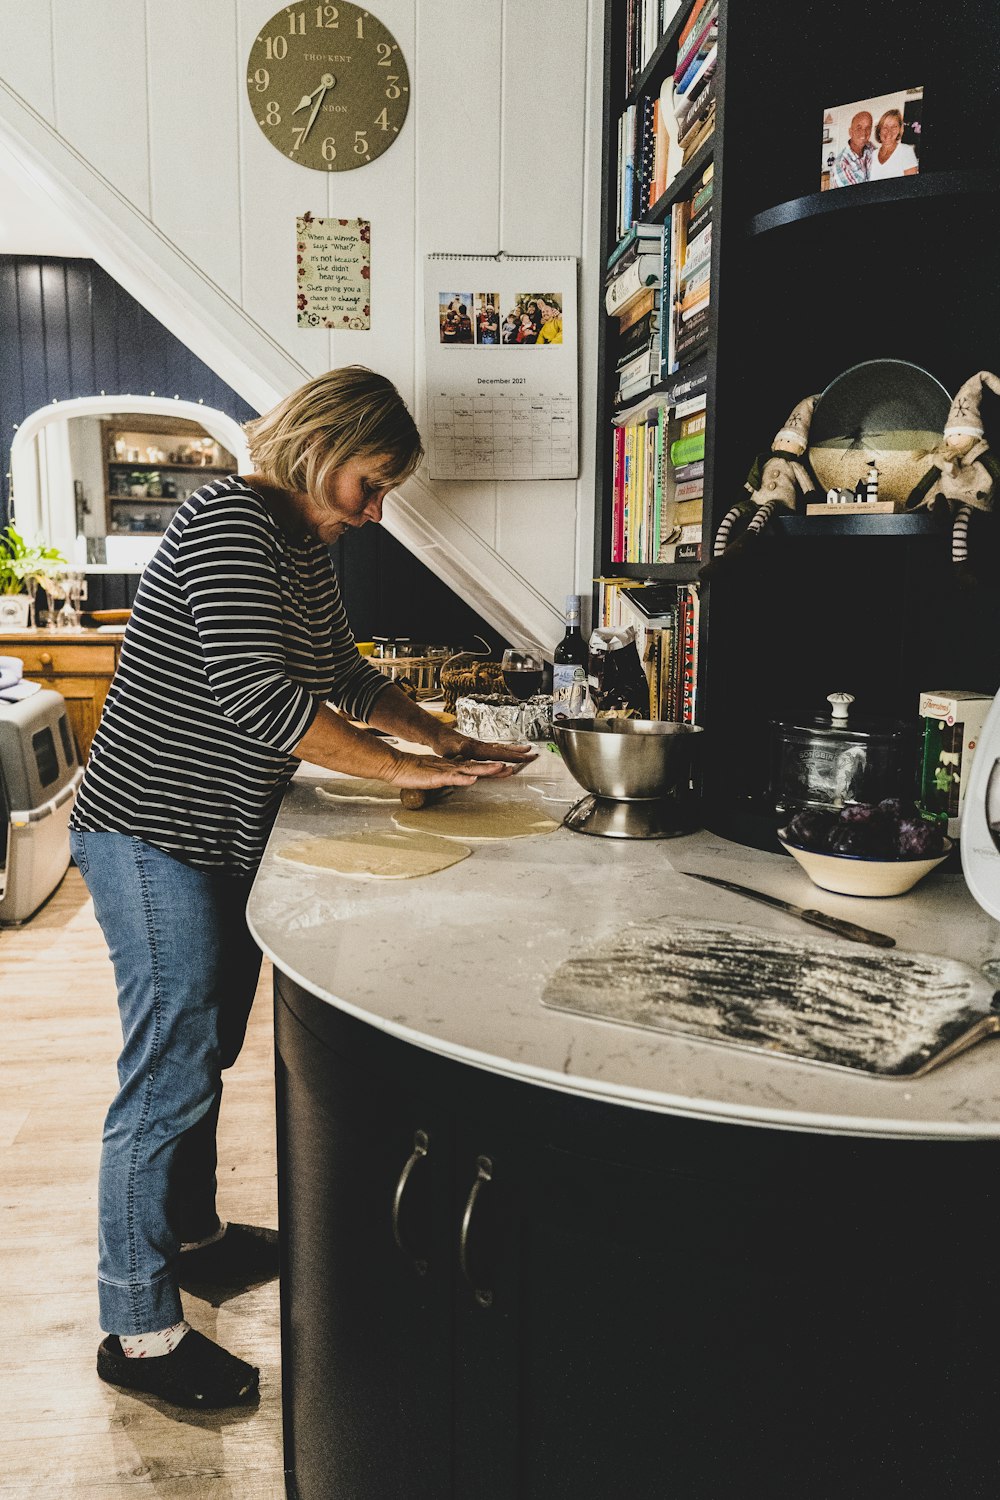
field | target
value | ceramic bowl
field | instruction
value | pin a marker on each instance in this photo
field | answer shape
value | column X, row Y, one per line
column 854, row 875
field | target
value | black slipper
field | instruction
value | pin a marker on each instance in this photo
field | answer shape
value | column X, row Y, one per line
column 196, row 1373
column 245, row 1256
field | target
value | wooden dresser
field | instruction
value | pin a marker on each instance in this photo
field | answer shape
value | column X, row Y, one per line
column 77, row 663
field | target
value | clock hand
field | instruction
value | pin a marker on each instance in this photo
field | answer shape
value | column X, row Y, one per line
column 307, row 99
column 326, row 82
column 321, row 95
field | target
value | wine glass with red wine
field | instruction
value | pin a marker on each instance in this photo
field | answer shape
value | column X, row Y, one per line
column 522, row 673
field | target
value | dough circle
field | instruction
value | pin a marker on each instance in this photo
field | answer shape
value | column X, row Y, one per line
column 510, row 819
column 359, row 789
column 375, row 856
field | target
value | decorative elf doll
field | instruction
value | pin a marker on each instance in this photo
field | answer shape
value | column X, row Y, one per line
column 774, row 483
column 962, row 469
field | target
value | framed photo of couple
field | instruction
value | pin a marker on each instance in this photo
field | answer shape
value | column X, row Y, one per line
column 870, row 140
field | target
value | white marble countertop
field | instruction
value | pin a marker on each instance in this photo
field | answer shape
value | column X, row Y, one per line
column 456, row 962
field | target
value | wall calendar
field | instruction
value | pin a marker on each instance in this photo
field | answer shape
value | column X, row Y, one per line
column 501, row 339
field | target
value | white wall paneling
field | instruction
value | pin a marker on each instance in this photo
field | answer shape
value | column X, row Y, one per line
column 195, row 92
column 132, row 121
column 26, row 52
column 100, row 61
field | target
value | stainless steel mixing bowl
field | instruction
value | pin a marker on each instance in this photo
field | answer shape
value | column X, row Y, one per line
column 629, row 760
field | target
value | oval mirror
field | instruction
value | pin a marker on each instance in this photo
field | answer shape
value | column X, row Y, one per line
column 100, row 477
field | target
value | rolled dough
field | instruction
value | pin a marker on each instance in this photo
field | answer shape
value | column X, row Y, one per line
column 376, row 856
column 359, row 789
column 477, row 820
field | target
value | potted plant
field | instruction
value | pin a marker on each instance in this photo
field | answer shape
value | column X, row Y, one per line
column 138, row 482
column 21, row 567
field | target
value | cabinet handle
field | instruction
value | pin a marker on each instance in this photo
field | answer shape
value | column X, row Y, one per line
column 46, row 658
column 421, row 1146
column 484, row 1173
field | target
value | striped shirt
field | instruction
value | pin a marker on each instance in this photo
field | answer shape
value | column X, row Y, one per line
column 237, row 635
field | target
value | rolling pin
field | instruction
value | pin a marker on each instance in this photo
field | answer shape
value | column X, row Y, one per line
column 414, row 797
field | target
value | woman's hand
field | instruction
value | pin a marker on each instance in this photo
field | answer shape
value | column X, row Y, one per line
column 453, row 746
column 426, row 772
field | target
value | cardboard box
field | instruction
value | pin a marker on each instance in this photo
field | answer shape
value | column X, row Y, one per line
column 953, row 722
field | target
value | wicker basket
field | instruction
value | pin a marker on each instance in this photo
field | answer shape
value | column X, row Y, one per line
column 416, row 669
column 466, row 673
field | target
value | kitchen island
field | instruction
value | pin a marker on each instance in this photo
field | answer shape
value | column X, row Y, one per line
column 531, row 1254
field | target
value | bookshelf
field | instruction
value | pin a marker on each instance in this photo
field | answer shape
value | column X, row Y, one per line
column 804, row 285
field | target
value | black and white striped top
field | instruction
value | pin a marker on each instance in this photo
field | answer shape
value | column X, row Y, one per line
column 237, row 634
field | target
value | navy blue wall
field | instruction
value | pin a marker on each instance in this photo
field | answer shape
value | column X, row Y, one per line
column 68, row 329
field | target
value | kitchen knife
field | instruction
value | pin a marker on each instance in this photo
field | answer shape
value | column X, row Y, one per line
column 807, row 913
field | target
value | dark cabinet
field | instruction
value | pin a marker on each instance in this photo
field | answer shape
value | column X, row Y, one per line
column 493, row 1291
column 366, row 1280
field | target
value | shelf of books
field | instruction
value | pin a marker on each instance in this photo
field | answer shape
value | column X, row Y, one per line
column 665, row 618
column 658, row 341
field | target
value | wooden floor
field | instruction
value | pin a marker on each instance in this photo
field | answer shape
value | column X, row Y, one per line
column 62, row 1431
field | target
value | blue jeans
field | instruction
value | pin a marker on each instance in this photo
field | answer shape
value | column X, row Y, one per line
column 186, row 969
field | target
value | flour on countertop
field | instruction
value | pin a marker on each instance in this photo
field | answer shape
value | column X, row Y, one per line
column 823, row 1001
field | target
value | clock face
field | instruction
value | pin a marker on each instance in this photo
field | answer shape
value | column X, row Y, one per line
column 328, row 85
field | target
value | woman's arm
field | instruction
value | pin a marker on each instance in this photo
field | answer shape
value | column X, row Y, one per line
column 397, row 714
column 332, row 741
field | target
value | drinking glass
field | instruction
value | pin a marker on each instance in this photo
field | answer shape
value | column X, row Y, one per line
column 522, row 673
column 72, row 589
column 51, row 582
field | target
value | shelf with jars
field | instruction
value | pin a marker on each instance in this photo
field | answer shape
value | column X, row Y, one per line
column 154, row 463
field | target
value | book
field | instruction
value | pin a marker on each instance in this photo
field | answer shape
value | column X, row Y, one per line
column 629, row 390
column 646, row 235
column 618, row 494
column 699, row 276
column 697, row 71
column 698, row 219
column 645, row 362
column 690, row 344
column 703, row 192
column 696, row 138
column 692, row 300
column 666, row 321
column 698, row 41
column 688, row 552
column 642, row 273
column 696, row 422
column 641, row 334
column 687, row 449
column 694, row 106
column 633, row 252
column 691, row 22
column 644, row 154
column 661, row 150
column 688, row 510
column 692, row 321
column 685, row 472
column 639, row 308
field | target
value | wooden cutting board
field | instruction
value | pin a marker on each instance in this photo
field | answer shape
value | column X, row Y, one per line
column 892, row 1014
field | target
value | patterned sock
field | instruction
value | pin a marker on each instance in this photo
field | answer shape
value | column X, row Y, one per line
column 208, row 1240
column 152, row 1345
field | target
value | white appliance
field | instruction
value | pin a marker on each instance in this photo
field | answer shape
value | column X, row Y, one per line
column 39, row 775
column 981, row 817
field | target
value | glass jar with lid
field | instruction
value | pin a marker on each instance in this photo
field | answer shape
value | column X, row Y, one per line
column 827, row 760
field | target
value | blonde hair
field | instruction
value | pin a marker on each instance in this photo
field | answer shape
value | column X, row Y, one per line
column 882, row 119
column 351, row 412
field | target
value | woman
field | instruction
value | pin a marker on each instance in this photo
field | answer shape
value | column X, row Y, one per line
column 893, row 158
column 237, row 638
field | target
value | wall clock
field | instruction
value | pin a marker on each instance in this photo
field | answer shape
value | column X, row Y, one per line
column 328, row 85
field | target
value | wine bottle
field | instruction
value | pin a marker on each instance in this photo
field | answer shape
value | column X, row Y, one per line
column 570, row 698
